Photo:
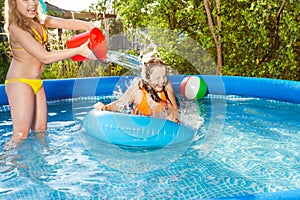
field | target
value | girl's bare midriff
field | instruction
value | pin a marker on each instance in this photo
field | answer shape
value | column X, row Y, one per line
column 24, row 65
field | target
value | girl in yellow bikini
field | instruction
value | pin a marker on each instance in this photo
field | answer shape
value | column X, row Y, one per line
column 27, row 37
column 152, row 95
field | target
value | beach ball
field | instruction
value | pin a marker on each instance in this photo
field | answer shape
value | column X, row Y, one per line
column 193, row 87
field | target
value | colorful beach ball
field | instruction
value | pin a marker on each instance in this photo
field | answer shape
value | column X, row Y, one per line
column 193, row 87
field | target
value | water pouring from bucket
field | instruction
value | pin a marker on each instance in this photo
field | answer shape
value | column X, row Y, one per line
column 99, row 47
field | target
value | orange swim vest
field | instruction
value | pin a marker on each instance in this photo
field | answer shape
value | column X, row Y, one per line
column 144, row 109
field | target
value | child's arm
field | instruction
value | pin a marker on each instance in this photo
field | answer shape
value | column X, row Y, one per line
column 120, row 104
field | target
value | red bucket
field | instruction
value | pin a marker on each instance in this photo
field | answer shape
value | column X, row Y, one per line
column 97, row 44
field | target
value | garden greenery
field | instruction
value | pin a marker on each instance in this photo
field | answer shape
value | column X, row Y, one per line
column 229, row 37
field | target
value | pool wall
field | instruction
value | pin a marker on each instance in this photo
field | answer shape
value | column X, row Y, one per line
column 282, row 90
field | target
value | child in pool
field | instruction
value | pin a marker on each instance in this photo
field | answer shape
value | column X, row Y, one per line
column 151, row 95
column 24, row 87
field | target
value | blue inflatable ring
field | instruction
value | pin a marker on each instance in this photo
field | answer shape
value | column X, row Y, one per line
column 135, row 130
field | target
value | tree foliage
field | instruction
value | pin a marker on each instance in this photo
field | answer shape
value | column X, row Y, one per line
column 256, row 38
column 259, row 38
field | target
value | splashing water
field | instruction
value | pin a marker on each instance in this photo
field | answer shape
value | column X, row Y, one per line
column 128, row 61
column 131, row 62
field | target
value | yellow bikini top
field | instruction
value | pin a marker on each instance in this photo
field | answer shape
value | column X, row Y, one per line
column 41, row 39
column 38, row 37
column 144, row 109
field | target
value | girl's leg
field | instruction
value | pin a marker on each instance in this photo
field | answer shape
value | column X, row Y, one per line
column 21, row 101
column 39, row 122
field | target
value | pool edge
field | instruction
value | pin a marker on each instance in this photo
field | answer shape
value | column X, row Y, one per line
column 282, row 90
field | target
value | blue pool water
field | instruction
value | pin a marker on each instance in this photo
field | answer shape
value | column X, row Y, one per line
column 243, row 146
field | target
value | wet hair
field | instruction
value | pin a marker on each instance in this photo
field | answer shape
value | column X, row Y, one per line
column 147, row 69
column 149, row 65
column 12, row 15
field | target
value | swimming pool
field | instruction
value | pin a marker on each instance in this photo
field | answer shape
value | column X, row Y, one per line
column 246, row 147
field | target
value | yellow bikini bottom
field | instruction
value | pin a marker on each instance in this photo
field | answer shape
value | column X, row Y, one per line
column 35, row 84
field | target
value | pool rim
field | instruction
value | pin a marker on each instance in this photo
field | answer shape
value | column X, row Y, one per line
column 281, row 90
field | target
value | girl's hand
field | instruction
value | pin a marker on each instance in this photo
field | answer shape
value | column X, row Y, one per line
column 176, row 120
column 174, row 115
column 99, row 106
column 85, row 51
